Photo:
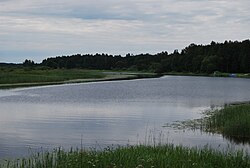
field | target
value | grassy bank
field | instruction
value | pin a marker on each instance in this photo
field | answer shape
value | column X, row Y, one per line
column 215, row 74
column 12, row 77
column 134, row 157
column 32, row 75
column 186, row 74
column 232, row 121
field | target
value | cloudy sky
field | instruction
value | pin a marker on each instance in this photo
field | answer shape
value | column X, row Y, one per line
column 37, row 29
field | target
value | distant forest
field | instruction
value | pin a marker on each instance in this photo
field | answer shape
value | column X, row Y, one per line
column 229, row 57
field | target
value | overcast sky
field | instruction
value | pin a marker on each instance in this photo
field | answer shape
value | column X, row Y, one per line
column 37, row 29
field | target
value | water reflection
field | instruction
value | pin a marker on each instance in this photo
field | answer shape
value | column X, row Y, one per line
column 238, row 139
column 106, row 113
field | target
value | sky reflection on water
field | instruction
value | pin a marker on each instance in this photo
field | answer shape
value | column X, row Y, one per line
column 106, row 113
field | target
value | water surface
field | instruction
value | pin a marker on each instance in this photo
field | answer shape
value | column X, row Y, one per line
column 100, row 114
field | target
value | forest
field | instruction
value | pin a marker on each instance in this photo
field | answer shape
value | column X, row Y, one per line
column 228, row 57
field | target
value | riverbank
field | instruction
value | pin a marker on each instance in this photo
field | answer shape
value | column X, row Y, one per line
column 20, row 76
column 27, row 77
column 134, row 156
column 215, row 74
column 75, row 160
column 232, row 121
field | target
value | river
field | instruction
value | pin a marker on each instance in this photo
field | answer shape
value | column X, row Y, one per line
column 101, row 114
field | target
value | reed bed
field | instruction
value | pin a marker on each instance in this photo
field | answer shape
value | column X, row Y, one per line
column 134, row 157
column 233, row 121
column 12, row 77
column 32, row 75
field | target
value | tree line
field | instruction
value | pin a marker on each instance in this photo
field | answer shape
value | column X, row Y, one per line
column 229, row 57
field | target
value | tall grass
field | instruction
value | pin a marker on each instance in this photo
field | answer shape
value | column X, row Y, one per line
column 18, row 76
column 232, row 121
column 30, row 75
column 134, row 157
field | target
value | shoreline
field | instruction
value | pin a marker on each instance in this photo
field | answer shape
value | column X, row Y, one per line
column 111, row 76
column 215, row 74
column 138, row 156
column 236, row 158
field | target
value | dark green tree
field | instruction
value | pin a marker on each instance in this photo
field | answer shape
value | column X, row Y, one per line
column 28, row 63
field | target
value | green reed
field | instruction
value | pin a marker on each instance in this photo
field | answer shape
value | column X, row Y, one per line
column 134, row 157
column 31, row 75
column 233, row 121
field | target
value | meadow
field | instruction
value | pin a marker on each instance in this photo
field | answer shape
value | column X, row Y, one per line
column 12, row 76
column 18, row 76
column 43, row 74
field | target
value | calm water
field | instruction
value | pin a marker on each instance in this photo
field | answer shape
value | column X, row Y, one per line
column 119, row 112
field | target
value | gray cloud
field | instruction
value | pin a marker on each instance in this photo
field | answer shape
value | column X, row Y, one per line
column 46, row 28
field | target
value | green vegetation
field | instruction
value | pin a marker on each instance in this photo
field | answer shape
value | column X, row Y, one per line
column 227, row 57
column 134, row 157
column 215, row 74
column 232, row 121
column 18, row 76
column 240, row 75
column 22, row 76
column 215, row 59
column 186, row 74
column 26, row 75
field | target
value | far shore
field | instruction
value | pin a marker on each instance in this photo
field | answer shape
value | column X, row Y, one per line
column 215, row 74
column 106, row 76
column 40, row 76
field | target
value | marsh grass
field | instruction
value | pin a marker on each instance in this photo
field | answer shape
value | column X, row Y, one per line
column 18, row 76
column 232, row 121
column 134, row 157
column 33, row 75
